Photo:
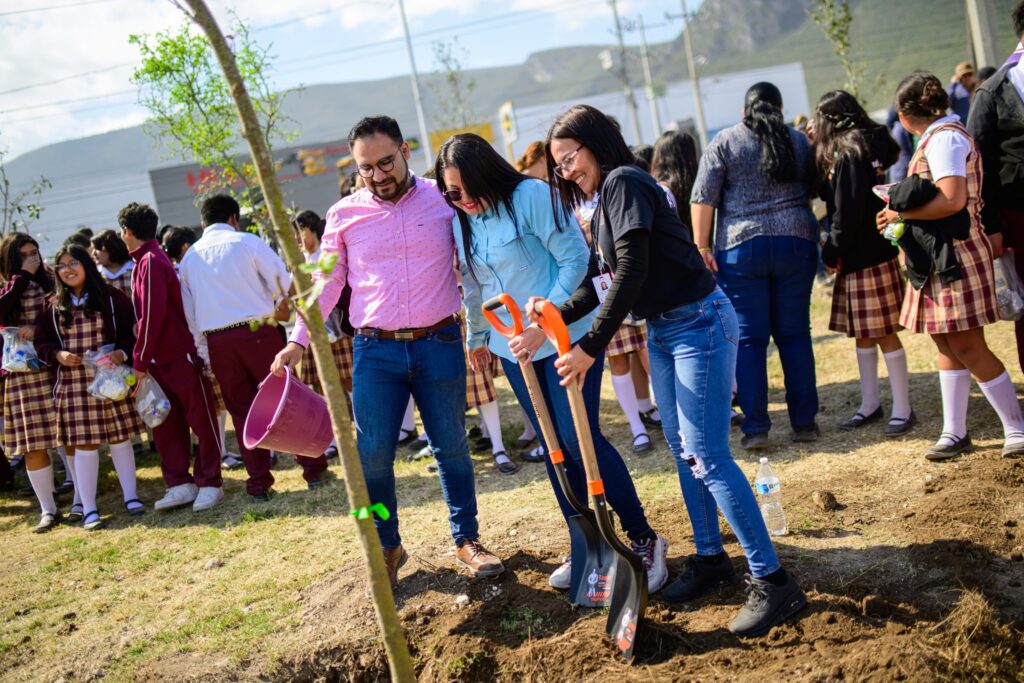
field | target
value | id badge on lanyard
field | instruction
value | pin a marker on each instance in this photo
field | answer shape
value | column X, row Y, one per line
column 603, row 281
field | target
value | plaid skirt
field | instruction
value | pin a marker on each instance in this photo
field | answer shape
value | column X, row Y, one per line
column 964, row 304
column 866, row 303
column 29, row 413
column 627, row 339
column 480, row 385
column 83, row 419
column 342, row 352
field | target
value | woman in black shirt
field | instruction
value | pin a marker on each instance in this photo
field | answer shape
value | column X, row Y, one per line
column 656, row 273
column 852, row 152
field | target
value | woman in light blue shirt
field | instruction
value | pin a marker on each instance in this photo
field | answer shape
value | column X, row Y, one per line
column 511, row 239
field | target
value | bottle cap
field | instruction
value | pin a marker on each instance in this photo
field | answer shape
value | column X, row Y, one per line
column 764, row 461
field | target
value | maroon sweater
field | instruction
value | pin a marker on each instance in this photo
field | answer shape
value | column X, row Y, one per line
column 163, row 334
column 118, row 320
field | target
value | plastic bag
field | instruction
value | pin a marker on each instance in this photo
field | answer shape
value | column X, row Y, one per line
column 1009, row 289
column 19, row 355
column 111, row 381
column 151, row 402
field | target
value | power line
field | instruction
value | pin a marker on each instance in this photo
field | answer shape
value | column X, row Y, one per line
column 52, row 7
column 65, row 78
column 71, row 101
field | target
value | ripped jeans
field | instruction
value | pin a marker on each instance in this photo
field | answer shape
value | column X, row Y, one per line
column 693, row 360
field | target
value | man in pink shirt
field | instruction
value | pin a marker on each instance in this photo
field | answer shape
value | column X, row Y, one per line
column 396, row 249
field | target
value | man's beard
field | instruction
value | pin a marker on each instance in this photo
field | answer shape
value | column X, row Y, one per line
column 391, row 189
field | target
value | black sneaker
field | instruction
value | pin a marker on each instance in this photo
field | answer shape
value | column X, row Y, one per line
column 482, row 444
column 754, row 442
column 701, row 576
column 262, row 496
column 767, row 605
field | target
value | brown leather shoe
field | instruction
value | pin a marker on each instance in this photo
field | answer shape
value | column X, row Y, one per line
column 482, row 562
column 394, row 559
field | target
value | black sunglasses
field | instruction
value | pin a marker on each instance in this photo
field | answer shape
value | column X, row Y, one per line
column 453, row 195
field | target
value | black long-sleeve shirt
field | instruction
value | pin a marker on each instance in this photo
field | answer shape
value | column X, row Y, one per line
column 640, row 239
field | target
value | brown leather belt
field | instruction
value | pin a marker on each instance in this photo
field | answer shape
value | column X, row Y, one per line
column 410, row 333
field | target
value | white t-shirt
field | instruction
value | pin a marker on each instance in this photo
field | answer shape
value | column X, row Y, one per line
column 947, row 150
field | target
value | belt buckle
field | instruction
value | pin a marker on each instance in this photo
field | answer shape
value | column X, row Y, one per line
column 405, row 335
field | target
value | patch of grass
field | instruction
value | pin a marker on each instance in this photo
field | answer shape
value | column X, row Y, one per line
column 972, row 644
column 471, row 665
column 524, row 622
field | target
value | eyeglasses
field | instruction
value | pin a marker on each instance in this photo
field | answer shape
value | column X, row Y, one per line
column 453, row 195
column 386, row 164
column 568, row 163
column 73, row 263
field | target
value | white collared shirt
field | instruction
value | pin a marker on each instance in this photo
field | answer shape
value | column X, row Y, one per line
column 1016, row 76
column 947, row 150
column 126, row 267
column 230, row 277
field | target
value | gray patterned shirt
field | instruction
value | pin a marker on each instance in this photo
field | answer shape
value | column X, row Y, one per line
column 748, row 202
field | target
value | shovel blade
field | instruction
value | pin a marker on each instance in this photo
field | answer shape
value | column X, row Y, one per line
column 593, row 565
column 628, row 603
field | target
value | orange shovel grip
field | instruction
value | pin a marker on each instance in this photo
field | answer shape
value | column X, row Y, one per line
column 550, row 320
column 509, row 303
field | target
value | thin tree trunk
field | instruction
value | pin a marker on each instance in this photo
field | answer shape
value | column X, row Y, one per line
column 384, row 603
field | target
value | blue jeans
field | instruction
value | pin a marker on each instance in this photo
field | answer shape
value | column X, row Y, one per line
column 433, row 370
column 619, row 489
column 768, row 280
column 693, row 356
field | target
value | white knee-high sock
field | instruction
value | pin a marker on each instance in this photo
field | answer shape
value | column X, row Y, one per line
column 63, row 454
column 124, row 464
column 42, row 484
column 87, row 474
column 626, row 393
column 867, row 363
column 529, row 434
column 77, row 498
column 409, row 421
column 956, row 392
column 492, row 421
column 222, row 425
column 1001, row 393
column 899, row 382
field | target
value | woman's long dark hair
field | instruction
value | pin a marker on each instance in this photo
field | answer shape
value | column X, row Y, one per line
column 675, row 164
column 485, row 175
column 309, row 219
column 95, row 286
column 842, row 127
column 10, row 259
column 594, row 130
column 762, row 114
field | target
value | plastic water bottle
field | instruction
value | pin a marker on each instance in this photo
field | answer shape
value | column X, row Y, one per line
column 769, row 494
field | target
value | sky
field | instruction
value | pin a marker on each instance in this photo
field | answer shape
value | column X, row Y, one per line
column 66, row 64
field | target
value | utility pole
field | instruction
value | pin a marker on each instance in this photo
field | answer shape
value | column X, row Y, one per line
column 428, row 154
column 652, row 96
column 624, row 74
column 981, row 22
column 702, row 129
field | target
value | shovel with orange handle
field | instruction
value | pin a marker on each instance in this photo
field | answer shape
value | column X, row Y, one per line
column 629, row 579
column 591, row 556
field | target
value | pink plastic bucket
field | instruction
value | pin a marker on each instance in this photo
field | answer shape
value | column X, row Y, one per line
column 288, row 416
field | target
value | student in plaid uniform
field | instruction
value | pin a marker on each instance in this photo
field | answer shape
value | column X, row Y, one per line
column 853, row 152
column 482, row 395
column 954, row 313
column 309, row 230
column 115, row 263
column 84, row 315
column 29, row 415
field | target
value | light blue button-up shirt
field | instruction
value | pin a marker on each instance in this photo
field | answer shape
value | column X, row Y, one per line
column 538, row 260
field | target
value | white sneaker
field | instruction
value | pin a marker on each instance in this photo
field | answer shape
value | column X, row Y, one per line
column 207, row 497
column 654, row 553
column 561, row 578
column 177, row 496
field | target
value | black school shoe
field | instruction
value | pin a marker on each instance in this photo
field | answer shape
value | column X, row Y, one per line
column 859, row 419
column 899, row 426
column 938, row 453
column 767, row 605
column 701, row 577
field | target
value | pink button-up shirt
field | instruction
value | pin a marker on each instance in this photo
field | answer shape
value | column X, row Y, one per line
column 399, row 259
